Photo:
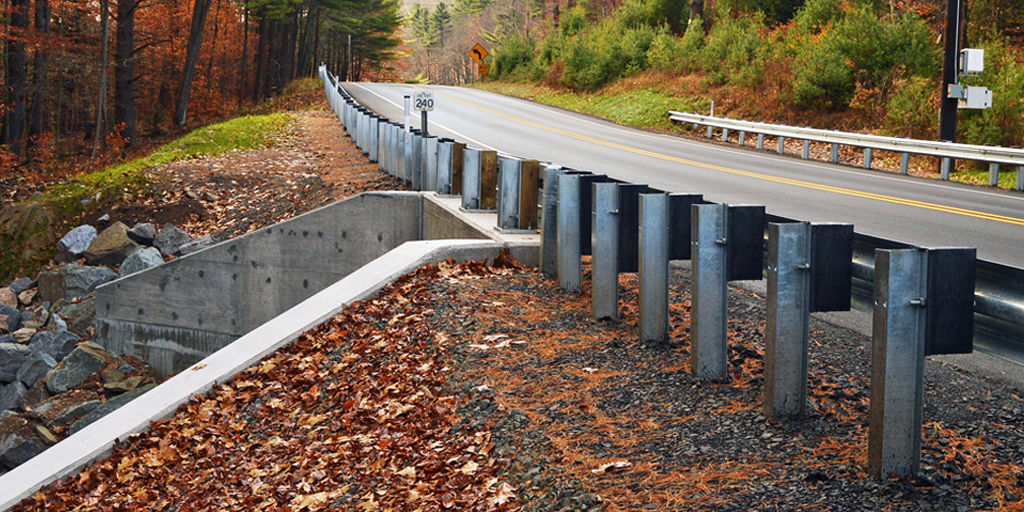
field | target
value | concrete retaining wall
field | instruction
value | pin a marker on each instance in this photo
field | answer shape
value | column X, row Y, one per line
column 178, row 313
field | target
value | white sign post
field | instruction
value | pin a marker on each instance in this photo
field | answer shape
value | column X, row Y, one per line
column 424, row 102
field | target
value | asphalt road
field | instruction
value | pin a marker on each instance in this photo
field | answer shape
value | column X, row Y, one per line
column 913, row 210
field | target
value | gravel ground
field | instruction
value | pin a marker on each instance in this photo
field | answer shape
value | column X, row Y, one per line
column 470, row 388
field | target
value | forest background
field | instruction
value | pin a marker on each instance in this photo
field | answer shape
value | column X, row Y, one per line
column 857, row 65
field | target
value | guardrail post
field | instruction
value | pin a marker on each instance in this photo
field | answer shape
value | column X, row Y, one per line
column 782, row 145
column 786, row 333
column 708, row 348
column 374, row 128
column 993, row 175
column 710, row 131
column 904, row 163
column 1020, row 177
column 807, row 149
column 743, row 138
column 835, row 153
column 653, row 271
column 897, row 362
column 458, row 162
column 760, row 141
column 430, row 163
column 549, row 230
column 725, row 135
column 444, row 166
column 605, row 262
column 947, row 164
column 415, row 149
column 570, row 272
column 478, row 180
column 867, row 158
column 517, row 195
column 401, row 156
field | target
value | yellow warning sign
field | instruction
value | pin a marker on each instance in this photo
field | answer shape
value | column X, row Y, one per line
column 482, row 68
column 478, row 52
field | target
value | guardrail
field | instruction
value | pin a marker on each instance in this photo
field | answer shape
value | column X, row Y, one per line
column 946, row 152
column 923, row 301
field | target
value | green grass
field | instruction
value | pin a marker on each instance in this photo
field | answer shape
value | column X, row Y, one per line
column 1007, row 176
column 239, row 133
column 644, row 108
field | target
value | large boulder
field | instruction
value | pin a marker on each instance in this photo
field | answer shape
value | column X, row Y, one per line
column 35, row 395
column 8, row 297
column 19, row 441
column 55, row 344
column 140, row 260
column 75, row 242
column 196, row 245
column 80, row 280
column 35, row 368
column 108, row 407
column 86, row 360
column 143, row 233
column 10, row 396
column 10, row 318
column 52, row 287
column 80, row 316
column 111, row 246
column 170, row 240
column 65, row 409
column 12, row 356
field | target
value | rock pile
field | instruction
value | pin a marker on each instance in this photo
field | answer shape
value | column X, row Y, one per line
column 53, row 380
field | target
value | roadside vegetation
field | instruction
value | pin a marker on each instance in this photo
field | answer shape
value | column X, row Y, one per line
column 856, row 65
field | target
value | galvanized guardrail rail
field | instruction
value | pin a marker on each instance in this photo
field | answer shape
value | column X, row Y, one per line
column 999, row 291
column 946, row 152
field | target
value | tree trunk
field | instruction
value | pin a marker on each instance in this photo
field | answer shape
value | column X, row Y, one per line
column 124, row 70
column 259, row 85
column 101, row 100
column 697, row 11
column 195, row 41
column 16, row 74
column 39, row 74
column 243, row 68
column 316, row 40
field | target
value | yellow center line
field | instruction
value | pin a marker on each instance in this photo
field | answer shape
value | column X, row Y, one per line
column 766, row 177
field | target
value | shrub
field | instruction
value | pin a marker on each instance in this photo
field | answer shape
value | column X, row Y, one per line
column 1003, row 124
column 664, row 53
column 513, row 57
column 822, row 79
column 815, row 15
column 734, row 51
column 912, row 109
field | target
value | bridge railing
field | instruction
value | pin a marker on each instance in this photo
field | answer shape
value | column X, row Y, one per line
column 946, row 152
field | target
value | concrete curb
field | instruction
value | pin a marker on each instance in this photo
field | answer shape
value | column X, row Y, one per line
column 96, row 440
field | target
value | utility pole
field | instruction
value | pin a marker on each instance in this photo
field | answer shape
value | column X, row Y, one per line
column 947, row 116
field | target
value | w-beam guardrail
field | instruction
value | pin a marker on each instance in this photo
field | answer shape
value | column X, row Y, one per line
column 923, row 301
column 946, row 152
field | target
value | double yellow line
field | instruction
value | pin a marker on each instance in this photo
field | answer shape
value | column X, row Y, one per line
column 766, row 177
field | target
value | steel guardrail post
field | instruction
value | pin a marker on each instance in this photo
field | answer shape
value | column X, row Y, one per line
column 835, row 153
column 782, row 145
column 947, row 164
column 807, row 150
column 867, row 158
column 897, row 362
column 725, row 135
column 605, row 261
column 507, row 198
column 904, row 163
column 760, row 141
column 786, row 331
column 549, row 229
column 1020, row 177
column 416, row 160
column 708, row 340
column 404, row 154
column 430, row 163
column 743, row 138
column 443, row 185
column 471, row 180
column 570, row 271
column 374, row 138
column 653, row 269
column 993, row 174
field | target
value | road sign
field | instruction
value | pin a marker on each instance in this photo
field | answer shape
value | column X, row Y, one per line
column 423, row 101
column 483, row 68
column 478, row 52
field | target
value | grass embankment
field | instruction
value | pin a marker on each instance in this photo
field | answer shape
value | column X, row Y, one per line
column 644, row 107
column 63, row 204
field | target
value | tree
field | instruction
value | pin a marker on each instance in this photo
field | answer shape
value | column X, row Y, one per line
column 195, row 40
column 39, row 73
column 16, row 71
column 101, row 100
column 124, row 69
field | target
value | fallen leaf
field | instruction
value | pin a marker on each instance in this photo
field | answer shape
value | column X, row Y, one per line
column 611, row 467
column 504, row 493
column 469, row 468
column 409, row 472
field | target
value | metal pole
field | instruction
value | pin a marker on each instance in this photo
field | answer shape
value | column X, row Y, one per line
column 549, row 229
column 807, row 149
column 653, row 271
column 570, row 272
column 904, row 163
column 786, row 333
column 947, row 164
column 867, row 158
column 993, row 175
column 408, row 112
column 835, row 153
column 897, row 362
column 708, row 339
column 471, row 180
column 760, row 141
column 508, row 193
column 605, row 261
column 423, row 122
column 782, row 145
column 948, row 113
